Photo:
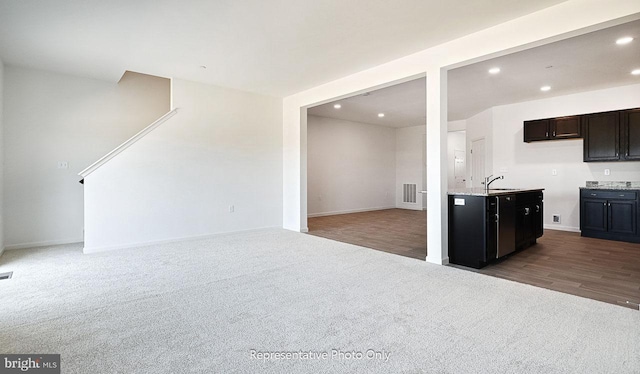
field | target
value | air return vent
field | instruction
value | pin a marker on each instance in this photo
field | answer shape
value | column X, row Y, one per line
column 409, row 193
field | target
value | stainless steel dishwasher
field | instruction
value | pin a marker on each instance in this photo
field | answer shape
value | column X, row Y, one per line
column 505, row 225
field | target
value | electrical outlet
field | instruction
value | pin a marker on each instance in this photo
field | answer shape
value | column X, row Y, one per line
column 556, row 218
column 231, row 208
column 607, row 171
column 63, row 165
column 504, row 170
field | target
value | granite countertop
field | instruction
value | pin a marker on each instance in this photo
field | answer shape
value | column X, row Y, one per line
column 611, row 185
column 622, row 188
column 480, row 191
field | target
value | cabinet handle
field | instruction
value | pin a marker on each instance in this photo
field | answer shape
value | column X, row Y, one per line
column 526, row 211
column 605, row 204
column 546, row 134
column 609, row 204
column 537, row 208
column 593, row 194
column 554, row 133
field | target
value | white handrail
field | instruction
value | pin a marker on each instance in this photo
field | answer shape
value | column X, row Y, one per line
column 127, row 143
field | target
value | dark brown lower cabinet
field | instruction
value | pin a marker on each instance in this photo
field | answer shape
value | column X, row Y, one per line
column 610, row 214
column 529, row 218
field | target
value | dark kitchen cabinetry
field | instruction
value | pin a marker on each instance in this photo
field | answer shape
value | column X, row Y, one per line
column 610, row 214
column 602, row 137
column 552, row 129
column 608, row 136
column 483, row 228
column 529, row 219
column 630, row 134
column 612, row 136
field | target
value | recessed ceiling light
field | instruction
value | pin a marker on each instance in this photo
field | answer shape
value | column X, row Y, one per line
column 380, row 115
column 625, row 40
column 494, row 70
column 545, row 88
column 635, row 72
column 337, row 106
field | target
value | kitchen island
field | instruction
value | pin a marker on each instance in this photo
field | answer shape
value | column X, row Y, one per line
column 485, row 225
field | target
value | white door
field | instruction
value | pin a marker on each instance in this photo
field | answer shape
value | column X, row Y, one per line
column 459, row 168
column 477, row 163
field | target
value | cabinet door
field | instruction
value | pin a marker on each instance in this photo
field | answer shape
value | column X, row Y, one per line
column 601, row 137
column 622, row 216
column 524, row 225
column 538, row 218
column 593, row 215
column 536, row 130
column 565, row 127
column 631, row 134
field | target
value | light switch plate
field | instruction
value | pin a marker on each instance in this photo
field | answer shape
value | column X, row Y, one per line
column 63, row 165
column 607, row 171
column 554, row 172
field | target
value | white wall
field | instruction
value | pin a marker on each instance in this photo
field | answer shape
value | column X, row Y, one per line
column 50, row 117
column 478, row 127
column 410, row 163
column 456, row 141
column 351, row 166
column 1, row 158
column 530, row 164
column 457, row 125
column 222, row 148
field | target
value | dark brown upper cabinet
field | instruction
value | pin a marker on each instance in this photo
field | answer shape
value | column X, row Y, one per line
column 630, row 132
column 612, row 136
column 552, row 129
column 602, row 137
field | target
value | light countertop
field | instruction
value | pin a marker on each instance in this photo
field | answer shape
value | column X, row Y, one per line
column 491, row 192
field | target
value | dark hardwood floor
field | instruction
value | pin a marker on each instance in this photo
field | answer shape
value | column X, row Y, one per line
column 399, row 231
column 562, row 261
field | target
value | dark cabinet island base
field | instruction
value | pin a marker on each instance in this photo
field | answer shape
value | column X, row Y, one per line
column 486, row 225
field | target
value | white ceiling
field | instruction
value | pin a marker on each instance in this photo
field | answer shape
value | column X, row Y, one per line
column 587, row 62
column 275, row 47
column 403, row 105
column 583, row 63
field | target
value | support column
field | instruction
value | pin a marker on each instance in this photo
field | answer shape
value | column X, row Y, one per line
column 437, row 216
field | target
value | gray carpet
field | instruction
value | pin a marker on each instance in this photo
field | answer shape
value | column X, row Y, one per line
column 202, row 306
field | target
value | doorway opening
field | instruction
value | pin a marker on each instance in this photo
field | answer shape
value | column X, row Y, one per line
column 366, row 169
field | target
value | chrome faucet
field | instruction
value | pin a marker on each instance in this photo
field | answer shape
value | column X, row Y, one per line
column 488, row 180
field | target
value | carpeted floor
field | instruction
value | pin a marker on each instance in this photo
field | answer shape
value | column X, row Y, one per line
column 202, row 306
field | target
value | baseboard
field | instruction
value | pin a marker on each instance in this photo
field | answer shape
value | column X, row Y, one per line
column 409, row 206
column 42, row 244
column 436, row 261
column 89, row 250
column 306, row 229
column 562, row 228
column 349, row 211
